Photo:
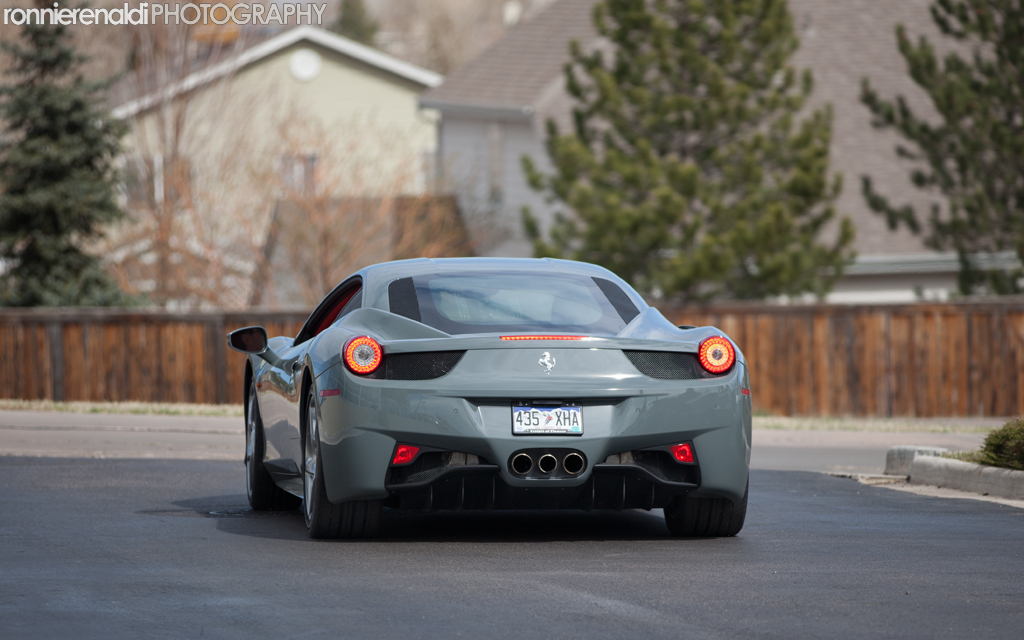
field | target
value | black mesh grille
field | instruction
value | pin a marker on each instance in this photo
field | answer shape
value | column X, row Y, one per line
column 425, row 365
column 668, row 365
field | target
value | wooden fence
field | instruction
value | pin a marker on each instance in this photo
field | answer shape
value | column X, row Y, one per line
column 963, row 359
column 908, row 360
column 125, row 354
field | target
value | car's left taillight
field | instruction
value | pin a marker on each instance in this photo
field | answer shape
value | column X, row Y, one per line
column 363, row 355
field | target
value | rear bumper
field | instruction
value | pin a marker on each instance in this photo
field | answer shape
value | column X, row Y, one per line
column 361, row 426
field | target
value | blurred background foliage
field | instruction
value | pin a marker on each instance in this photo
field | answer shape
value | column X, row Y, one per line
column 692, row 171
column 974, row 154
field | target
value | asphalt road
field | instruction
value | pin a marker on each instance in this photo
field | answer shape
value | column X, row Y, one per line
column 167, row 548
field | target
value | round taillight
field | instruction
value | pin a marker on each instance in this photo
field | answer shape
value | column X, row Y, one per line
column 717, row 354
column 363, row 355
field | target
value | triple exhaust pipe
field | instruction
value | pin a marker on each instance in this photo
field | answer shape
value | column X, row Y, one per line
column 572, row 463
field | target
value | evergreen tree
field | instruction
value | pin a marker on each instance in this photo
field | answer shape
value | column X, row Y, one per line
column 356, row 23
column 687, row 174
column 55, row 171
column 975, row 155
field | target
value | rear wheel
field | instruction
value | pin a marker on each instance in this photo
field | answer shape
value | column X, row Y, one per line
column 706, row 517
column 353, row 519
column 263, row 494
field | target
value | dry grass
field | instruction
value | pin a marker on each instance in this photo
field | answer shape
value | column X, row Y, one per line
column 140, row 408
column 966, row 456
column 890, row 425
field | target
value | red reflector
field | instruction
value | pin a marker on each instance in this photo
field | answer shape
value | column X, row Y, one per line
column 745, row 392
column 542, row 337
column 329, row 392
column 682, row 452
column 405, row 453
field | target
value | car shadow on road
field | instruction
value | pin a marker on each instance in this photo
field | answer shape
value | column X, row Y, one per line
column 234, row 516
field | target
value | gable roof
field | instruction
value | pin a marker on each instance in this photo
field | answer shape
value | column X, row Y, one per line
column 326, row 39
column 515, row 72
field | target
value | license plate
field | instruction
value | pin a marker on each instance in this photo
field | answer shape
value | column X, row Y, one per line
column 532, row 420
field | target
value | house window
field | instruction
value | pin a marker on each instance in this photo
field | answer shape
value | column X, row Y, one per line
column 151, row 180
column 298, row 173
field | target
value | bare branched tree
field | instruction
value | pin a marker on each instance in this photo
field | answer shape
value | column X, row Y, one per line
column 346, row 196
column 186, row 242
column 440, row 34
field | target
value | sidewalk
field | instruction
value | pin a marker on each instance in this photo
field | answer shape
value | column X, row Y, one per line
column 104, row 435
column 825, row 445
column 845, row 451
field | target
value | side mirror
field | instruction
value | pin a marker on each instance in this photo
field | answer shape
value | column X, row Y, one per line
column 248, row 340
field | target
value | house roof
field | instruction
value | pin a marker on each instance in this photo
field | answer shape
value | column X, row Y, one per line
column 326, row 39
column 514, row 74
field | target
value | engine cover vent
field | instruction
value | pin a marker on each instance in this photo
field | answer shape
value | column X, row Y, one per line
column 424, row 365
column 668, row 365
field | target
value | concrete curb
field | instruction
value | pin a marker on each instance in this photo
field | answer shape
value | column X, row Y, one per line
column 967, row 476
column 898, row 459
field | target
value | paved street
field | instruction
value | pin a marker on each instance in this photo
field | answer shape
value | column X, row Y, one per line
column 96, row 541
column 166, row 548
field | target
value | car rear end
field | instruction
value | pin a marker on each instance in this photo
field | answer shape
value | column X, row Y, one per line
column 525, row 404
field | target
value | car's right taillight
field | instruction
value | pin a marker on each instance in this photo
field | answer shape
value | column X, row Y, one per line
column 363, row 355
column 717, row 355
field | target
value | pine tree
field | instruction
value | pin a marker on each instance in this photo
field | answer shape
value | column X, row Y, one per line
column 55, row 171
column 356, row 23
column 687, row 173
column 975, row 155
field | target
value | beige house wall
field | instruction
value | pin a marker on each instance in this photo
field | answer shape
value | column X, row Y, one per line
column 245, row 119
column 245, row 138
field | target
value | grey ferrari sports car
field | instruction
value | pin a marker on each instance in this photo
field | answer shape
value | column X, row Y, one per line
column 487, row 383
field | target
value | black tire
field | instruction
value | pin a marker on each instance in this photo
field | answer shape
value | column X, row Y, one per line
column 706, row 517
column 353, row 519
column 263, row 494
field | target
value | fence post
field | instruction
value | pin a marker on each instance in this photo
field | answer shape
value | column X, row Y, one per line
column 55, row 333
column 220, row 360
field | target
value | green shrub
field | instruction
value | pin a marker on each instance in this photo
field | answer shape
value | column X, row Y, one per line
column 1004, row 447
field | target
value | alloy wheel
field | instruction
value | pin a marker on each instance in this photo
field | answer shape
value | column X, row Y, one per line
column 310, row 455
column 250, row 441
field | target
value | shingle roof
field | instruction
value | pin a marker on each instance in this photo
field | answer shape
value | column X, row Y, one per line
column 515, row 71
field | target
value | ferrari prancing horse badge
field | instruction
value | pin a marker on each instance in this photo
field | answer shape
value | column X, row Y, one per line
column 547, row 362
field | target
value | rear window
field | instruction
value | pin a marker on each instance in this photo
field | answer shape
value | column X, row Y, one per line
column 508, row 301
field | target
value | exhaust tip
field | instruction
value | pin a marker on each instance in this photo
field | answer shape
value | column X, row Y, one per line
column 573, row 464
column 547, row 463
column 521, row 464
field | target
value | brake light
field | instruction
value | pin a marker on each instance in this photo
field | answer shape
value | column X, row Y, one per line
column 363, row 355
column 717, row 354
column 405, row 453
column 682, row 452
column 542, row 337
